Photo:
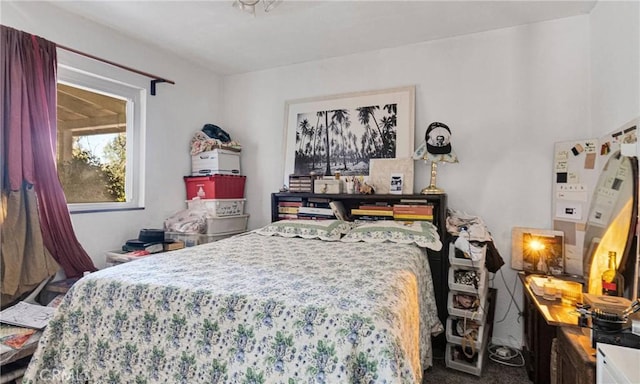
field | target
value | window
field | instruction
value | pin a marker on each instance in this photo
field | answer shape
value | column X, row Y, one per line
column 100, row 129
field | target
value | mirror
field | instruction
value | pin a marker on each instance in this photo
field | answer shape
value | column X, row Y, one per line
column 611, row 222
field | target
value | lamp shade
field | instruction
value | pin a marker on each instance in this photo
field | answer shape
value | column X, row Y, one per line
column 436, row 146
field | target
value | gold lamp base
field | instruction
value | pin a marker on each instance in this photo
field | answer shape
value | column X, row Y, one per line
column 432, row 189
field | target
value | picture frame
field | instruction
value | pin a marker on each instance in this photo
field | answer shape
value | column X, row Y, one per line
column 547, row 258
column 382, row 170
column 395, row 185
column 362, row 126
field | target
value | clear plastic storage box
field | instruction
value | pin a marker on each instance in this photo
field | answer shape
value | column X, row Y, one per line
column 465, row 262
column 477, row 304
column 217, row 225
column 460, row 279
column 460, row 327
column 192, row 239
column 219, row 207
column 456, row 359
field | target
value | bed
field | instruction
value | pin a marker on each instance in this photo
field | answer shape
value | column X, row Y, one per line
column 254, row 308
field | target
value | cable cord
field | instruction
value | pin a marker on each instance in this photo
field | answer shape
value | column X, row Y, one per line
column 513, row 299
column 504, row 355
column 467, row 239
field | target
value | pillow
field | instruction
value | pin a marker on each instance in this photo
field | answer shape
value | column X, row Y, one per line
column 421, row 233
column 329, row 230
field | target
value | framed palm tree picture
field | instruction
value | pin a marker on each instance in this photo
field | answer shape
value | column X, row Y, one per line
column 341, row 133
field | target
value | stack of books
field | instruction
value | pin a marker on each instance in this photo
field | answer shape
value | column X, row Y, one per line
column 316, row 208
column 373, row 212
column 413, row 212
column 315, row 213
column 288, row 209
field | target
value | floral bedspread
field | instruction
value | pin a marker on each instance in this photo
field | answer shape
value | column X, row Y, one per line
column 247, row 309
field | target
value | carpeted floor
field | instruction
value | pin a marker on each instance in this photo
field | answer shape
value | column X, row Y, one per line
column 493, row 373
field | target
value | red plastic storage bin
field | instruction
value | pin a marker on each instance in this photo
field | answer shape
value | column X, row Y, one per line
column 215, row 186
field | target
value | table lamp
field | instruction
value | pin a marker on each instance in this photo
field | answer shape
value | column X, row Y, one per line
column 436, row 148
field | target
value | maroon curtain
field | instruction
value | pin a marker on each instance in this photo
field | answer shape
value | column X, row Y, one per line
column 29, row 124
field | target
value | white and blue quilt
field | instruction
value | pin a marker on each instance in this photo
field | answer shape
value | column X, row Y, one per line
column 247, row 309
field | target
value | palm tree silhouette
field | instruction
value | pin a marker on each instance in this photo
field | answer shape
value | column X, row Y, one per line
column 365, row 114
column 341, row 116
column 327, row 171
column 318, row 132
column 304, row 131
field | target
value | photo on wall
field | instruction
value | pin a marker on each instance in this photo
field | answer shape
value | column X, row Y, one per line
column 342, row 133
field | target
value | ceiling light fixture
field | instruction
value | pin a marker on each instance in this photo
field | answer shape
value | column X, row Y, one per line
column 249, row 6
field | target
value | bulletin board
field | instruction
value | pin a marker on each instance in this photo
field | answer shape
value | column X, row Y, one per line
column 577, row 168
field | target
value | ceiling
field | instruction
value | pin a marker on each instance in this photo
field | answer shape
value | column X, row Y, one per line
column 230, row 41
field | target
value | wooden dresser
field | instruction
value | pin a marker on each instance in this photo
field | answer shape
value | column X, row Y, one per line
column 545, row 320
column 576, row 360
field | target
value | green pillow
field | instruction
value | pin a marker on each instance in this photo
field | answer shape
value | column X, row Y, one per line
column 421, row 233
column 329, row 230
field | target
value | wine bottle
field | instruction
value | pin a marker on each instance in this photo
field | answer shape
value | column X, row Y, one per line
column 612, row 280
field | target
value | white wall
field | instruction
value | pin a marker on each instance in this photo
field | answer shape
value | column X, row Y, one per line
column 173, row 115
column 615, row 64
column 507, row 95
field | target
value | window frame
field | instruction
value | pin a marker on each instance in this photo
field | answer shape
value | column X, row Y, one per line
column 103, row 78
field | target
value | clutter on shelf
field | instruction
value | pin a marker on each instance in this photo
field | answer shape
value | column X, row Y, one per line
column 213, row 137
column 471, row 303
column 472, row 239
column 192, row 220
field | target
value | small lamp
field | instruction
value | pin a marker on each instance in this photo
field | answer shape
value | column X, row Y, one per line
column 435, row 148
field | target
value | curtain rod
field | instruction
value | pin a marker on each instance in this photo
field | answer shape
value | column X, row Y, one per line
column 154, row 81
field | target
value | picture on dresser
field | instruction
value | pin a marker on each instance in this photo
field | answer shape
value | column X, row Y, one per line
column 537, row 250
column 341, row 133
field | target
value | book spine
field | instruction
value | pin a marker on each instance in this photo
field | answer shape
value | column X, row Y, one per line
column 377, row 207
column 316, row 211
column 413, row 211
column 371, row 212
column 373, row 218
column 290, row 199
column 290, row 204
column 305, row 216
column 286, row 216
column 413, row 217
column 287, row 210
column 318, row 200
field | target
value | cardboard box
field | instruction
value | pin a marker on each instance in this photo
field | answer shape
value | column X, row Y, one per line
column 329, row 186
column 218, row 161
